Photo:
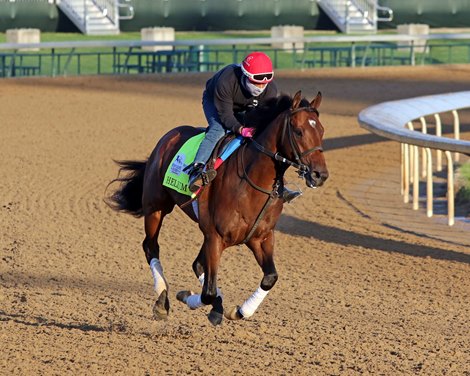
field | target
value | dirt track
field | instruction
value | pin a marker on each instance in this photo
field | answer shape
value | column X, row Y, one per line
column 359, row 290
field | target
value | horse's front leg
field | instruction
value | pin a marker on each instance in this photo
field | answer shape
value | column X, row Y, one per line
column 189, row 297
column 205, row 267
column 198, row 268
column 263, row 252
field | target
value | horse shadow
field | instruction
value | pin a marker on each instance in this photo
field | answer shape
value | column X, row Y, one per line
column 37, row 321
column 308, row 229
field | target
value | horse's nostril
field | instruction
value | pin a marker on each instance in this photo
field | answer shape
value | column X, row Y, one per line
column 320, row 175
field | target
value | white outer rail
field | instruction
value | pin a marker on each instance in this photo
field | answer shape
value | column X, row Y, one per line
column 394, row 120
column 414, row 39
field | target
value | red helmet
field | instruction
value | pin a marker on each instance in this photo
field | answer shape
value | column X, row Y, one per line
column 258, row 67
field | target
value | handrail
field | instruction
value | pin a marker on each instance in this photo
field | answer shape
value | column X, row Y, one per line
column 385, row 10
column 389, row 120
column 367, row 8
column 129, row 7
column 108, row 9
column 244, row 41
column 103, row 15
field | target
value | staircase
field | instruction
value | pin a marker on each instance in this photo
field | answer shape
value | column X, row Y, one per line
column 93, row 17
column 355, row 16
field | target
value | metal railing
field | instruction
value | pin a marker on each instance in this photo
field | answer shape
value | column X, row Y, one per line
column 91, row 15
column 109, row 9
column 355, row 15
column 394, row 120
column 370, row 9
column 99, row 57
column 128, row 12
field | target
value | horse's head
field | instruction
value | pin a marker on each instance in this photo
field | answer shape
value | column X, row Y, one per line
column 304, row 132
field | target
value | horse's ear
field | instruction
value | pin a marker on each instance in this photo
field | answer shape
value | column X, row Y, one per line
column 316, row 101
column 296, row 100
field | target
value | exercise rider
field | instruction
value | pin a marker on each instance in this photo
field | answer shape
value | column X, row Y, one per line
column 230, row 92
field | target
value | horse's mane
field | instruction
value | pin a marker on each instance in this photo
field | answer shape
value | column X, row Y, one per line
column 264, row 114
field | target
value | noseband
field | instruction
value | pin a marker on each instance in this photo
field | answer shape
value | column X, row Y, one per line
column 302, row 169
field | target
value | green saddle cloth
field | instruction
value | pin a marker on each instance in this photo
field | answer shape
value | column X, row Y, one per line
column 175, row 178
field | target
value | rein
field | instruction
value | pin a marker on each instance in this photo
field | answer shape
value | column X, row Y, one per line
column 303, row 169
column 272, row 195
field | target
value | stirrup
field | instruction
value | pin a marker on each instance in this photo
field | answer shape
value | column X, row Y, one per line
column 195, row 178
column 198, row 178
column 288, row 196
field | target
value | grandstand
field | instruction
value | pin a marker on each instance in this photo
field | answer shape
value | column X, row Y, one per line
column 210, row 15
column 354, row 36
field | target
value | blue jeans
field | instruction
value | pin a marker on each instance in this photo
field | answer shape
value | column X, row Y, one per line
column 214, row 132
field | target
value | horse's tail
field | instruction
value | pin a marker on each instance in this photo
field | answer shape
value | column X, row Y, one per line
column 128, row 197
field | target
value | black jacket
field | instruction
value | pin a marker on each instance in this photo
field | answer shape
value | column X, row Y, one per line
column 230, row 97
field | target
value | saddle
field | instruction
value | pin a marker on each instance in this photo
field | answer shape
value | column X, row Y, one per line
column 177, row 175
column 199, row 175
column 223, row 149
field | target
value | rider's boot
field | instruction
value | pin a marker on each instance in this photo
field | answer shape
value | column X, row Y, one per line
column 289, row 196
column 195, row 177
column 198, row 177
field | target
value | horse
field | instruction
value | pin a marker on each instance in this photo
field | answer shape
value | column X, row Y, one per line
column 240, row 206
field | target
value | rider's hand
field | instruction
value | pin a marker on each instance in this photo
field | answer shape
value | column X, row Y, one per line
column 247, row 132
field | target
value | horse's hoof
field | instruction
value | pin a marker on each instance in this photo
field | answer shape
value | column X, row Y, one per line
column 161, row 307
column 234, row 314
column 182, row 296
column 215, row 317
column 217, row 312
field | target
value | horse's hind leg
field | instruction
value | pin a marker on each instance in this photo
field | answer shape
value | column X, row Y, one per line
column 153, row 224
column 263, row 252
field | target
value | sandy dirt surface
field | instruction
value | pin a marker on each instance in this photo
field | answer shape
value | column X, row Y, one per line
column 366, row 285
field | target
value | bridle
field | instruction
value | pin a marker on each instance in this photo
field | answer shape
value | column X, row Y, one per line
column 302, row 169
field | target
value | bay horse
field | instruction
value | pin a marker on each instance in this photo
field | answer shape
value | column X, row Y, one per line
column 240, row 206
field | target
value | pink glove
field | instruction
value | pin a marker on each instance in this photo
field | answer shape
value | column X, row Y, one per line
column 247, row 132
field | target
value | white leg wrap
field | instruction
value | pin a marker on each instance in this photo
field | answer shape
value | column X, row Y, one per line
column 201, row 281
column 252, row 303
column 158, row 278
column 194, row 301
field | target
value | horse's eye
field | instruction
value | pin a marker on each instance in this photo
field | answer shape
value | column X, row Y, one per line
column 298, row 132
column 312, row 122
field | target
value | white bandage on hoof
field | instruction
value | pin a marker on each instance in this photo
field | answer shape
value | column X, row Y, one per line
column 253, row 302
column 194, row 301
column 159, row 282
